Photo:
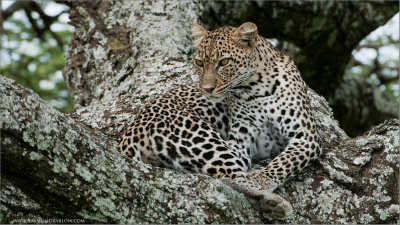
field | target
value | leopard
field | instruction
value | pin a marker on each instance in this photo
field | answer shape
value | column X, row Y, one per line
column 249, row 104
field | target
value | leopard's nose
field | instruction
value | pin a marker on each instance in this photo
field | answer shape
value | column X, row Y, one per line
column 208, row 89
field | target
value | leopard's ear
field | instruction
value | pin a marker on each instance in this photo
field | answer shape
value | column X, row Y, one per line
column 246, row 35
column 198, row 33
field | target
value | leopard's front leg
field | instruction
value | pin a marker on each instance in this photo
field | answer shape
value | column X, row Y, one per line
column 242, row 137
column 303, row 145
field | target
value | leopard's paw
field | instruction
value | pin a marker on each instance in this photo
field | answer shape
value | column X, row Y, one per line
column 274, row 205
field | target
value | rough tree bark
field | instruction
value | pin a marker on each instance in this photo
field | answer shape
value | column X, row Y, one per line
column 122, row 55
column 323, row 35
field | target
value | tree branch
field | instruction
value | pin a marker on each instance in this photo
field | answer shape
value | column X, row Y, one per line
column 72, row 171
column 29, row 7
column 17, row 5
column 67, row 170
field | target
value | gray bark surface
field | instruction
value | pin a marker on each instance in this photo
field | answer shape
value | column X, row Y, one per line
column 56, row 167
column 122, row 55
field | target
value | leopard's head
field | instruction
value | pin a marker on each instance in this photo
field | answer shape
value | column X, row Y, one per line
column 224, row 58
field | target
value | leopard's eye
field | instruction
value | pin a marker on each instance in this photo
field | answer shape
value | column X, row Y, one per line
column 198, row 63
column 224, row 62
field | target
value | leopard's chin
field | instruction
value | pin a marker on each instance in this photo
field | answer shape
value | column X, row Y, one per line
column 214, row 97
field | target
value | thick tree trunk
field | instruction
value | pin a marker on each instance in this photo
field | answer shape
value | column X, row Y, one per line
column 56, row 167
column 122, row 55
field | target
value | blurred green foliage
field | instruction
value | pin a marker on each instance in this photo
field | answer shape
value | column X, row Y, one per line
column 376, row 59
column 32, row 54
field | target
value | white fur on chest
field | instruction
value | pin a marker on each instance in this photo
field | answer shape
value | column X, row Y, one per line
column 268, row 141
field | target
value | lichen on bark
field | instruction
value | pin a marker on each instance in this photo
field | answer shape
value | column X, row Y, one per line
column 64, row 169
